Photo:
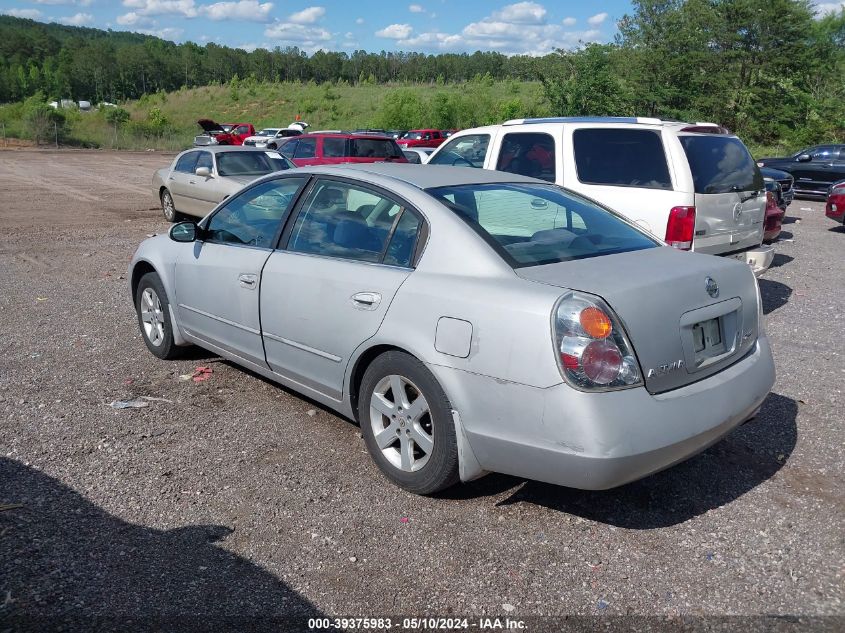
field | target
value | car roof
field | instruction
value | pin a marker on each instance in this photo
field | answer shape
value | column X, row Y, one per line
column 353, row 135
column 222, row 149
column 423, row 176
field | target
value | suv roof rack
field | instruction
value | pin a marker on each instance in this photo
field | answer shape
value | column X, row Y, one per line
column 587, row 119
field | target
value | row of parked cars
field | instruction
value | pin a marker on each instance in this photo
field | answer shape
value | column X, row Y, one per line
column 519, row 304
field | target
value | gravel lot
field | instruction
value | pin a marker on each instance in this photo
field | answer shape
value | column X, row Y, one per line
column 234, row 497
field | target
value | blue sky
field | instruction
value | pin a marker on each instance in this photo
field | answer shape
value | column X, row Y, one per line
column 427, row 25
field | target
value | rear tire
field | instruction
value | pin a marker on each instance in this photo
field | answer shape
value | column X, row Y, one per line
column 153, row 310
column 406, row 422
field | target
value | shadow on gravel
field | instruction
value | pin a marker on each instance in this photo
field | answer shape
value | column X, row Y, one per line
column 775, row 294
column 839, row 228
column 67, row 564
column 780, row 259
column 740, row 462
column 789, row 219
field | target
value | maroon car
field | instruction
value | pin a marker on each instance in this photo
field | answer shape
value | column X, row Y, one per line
column 330, row 148
column 835, row 206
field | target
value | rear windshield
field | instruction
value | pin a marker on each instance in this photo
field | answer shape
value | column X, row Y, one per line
column 721, row 164
column 374, row 148
column 530, row 225
column 250, row 163
column 624, row 158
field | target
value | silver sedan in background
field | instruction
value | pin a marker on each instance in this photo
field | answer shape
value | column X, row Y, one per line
column 198, row 179
column 469, row 320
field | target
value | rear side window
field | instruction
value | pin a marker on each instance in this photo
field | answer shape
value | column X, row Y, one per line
column 721, row 164
column 187, row 163
column 620, row 157
column 306, row 148
column 528, row 154
column 464, row 151
column 334, row 147
column 374, row 148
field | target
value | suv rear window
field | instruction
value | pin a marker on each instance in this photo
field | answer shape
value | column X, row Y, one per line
column 374, row 148
column 531, row 225
column 620, row 157
column 721, row 164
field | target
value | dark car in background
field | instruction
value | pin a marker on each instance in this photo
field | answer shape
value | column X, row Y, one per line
column 334, row 148
column 814, row 168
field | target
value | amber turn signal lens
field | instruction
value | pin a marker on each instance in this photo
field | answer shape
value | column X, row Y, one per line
column 595, row 323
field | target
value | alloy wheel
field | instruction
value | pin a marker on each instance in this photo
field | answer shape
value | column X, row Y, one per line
column 401, row 423
column 152, row 316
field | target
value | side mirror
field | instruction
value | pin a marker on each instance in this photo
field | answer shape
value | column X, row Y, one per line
column 184, row 232
column 203, row 172
column 804, row 158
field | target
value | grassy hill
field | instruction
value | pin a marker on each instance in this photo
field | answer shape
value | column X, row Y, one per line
column 168, row 120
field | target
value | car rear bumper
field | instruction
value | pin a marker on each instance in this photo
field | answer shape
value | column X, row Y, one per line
column 596, row 441
column 759, row 258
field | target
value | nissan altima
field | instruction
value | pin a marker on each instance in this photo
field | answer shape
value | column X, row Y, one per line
column 470, row 321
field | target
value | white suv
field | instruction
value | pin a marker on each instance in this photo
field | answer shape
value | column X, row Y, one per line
column 693, row 185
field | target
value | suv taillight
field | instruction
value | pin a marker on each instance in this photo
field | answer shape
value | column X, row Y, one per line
column 681, row 228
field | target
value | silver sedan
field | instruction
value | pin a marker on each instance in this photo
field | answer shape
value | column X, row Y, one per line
column 198, row 179
column 469, row 320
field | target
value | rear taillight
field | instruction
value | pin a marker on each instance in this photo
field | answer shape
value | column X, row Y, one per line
column 771, row 202
column 681, row 227
column 592, row 350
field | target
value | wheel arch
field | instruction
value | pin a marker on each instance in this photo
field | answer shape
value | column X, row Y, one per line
column 359, row 368
column 141, row 268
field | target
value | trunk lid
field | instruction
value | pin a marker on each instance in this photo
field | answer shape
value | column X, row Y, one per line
column 661, row 297
column 730, row 200
column 210, row 126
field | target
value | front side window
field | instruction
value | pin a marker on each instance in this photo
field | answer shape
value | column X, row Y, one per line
column 530, row 225
column 289, row 147
column 242, row 129
column 464, row 151
column 246, row 163
column 252, row 217
column 306, row 148
column 721, row 164
column 205, row 160
column 342, row 220
column 187, row 163
column 528, row 154
column 620, row 157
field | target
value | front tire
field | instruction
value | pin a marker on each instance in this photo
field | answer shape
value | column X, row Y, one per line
column 168, row 207
column 406, row 422
column 153, row 311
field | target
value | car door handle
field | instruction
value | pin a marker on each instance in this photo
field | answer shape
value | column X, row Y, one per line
column 366, row 300
column 247, row 281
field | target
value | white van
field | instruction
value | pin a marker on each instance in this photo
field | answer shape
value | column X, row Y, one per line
column 693, row 185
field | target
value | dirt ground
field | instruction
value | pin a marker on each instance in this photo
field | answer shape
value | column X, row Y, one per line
column 236, row 499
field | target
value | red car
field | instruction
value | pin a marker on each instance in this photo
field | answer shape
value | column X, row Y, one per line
column 835, row 207
column 774, row 218
column 422, row 138
column 223, row 133
column 325, row 148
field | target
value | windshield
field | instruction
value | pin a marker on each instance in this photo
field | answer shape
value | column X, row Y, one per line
column 267, row 132
column 413, row 136
column 250, row 163
column 531, row 225
column 721, row 164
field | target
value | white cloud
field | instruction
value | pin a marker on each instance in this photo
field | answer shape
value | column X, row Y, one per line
column 29, row 14
column 246, row 10
column 597, row 19
column 307, row 16
column 521, row 13
column 519, row 28
column 186, row 8
column 396, row 31
column 416, row 8
column 79, row 19
column 359, row 20
column 81, row 3
column 167, row 33
column 302, row 35
column 824, row 8
column 133, row 19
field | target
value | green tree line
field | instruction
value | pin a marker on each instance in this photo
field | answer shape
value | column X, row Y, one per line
column 769, row 69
